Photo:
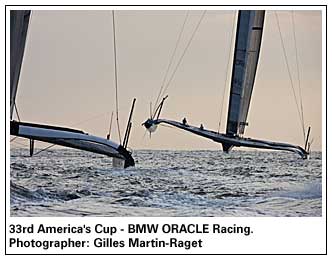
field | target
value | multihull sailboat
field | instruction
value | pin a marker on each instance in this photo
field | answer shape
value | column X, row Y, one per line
column 246, row 55
column 19, row 22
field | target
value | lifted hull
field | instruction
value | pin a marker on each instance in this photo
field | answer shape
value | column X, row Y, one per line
column 71, row 138
column 229, row 141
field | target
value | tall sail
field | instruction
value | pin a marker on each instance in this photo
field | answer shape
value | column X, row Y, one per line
column 246, row 54
column 19, row 23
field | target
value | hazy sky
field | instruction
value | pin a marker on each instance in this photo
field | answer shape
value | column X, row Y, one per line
column 68, row 74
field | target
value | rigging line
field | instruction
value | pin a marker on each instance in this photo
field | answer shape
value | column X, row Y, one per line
column 19, row 144
column 143, row 137
column 298, row 75
column 13, row 139
column 116, row 80
column 110, row 128
column 287, row 65
column 16, row 111
column 89, row 119
column 46, row 148
column 24, row 145
column 171, row 60
column 184, row 52
column 227, row 72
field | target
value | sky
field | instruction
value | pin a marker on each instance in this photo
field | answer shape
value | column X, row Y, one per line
column 67, row 76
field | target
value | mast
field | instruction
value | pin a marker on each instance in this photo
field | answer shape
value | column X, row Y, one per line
column 246, row 54
column 19, row 23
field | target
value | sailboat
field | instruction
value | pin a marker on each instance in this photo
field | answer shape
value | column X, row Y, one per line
column 63, row 136
column 249, row 31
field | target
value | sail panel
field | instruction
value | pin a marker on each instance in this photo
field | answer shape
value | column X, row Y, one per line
column 246, row 54
column 19, row 23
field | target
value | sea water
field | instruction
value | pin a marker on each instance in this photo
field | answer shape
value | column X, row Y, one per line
column 67, row 182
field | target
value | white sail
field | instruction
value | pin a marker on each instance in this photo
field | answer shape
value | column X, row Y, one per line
column 19, row 23
column 246, row 54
